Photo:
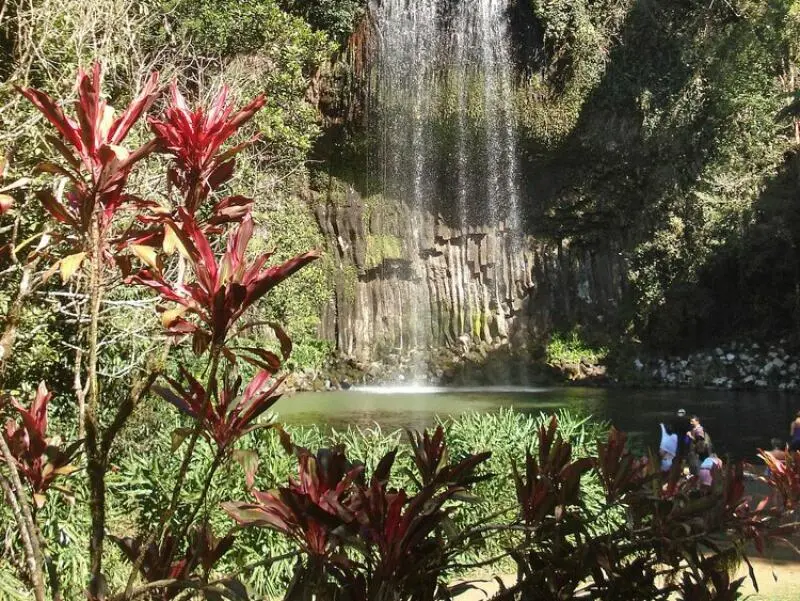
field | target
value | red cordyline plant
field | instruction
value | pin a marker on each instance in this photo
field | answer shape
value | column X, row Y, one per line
column 97, row 163
column 430, row 453
column 205, row 302
column 165, row 562
column 194, row 138
column 648, row 526
column 408, row 542
column 223, row 289
column 620, row 471
column 783, row 477
column 227, row 413
column 397, row 538
column 96, row 167
column 311, row 508
column 551, row 482
column 37, row 458
column 432, row 461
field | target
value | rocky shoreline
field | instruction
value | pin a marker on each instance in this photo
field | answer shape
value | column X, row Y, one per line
column 733, row 366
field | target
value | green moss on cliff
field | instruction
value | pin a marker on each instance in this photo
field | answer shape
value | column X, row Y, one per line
column 381, row 247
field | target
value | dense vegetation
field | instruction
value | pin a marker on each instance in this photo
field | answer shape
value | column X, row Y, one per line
column 141, row 488
column 658, row 129
column 132, row 281
column 253, row 46
column 656, row 124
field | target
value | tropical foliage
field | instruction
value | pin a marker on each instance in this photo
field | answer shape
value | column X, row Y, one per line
column 96, row 220
column 133, row 268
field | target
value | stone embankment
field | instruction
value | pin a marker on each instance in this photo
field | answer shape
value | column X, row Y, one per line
column 733, row 366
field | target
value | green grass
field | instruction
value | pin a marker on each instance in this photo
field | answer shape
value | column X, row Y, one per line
column 571, row 348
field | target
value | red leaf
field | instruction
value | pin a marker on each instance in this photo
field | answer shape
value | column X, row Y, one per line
column 140, row 105
column 248, row 459
column 55, row 208
column 273, row 276
column 54, row 114
column 286, row 342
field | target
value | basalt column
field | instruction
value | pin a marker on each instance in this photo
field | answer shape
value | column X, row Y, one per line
column 435, row 253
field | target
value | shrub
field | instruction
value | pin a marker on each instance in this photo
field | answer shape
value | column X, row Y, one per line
column 571, row 348
column 101, row 231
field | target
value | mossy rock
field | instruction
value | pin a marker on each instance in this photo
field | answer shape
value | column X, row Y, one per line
column 382, row 247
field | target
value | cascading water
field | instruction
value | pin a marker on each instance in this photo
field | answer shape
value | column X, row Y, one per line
column 444, row 99
column 430, row 244
column 442, row 102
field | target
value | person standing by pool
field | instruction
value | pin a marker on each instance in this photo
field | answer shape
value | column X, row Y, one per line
column 697, row 431
column 794, row 433
column 700, row 444
column 668, row 448
column 708, row 463
column 680, row 427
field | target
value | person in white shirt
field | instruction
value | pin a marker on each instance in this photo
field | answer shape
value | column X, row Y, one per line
column 668, row 448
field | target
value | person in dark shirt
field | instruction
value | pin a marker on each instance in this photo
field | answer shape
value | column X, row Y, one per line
column 699, row 444
column 681, row 426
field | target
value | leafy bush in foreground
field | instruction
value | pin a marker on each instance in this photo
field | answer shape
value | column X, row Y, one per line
column 99, row 231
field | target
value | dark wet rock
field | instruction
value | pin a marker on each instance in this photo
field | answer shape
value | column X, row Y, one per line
column 467, row 290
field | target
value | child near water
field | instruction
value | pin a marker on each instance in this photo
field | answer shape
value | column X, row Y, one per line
column 708, row 463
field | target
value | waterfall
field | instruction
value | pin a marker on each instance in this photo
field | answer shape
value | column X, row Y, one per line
column 444, row 98
column 444, row 125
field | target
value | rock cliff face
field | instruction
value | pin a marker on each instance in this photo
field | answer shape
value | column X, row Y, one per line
column 410, row 280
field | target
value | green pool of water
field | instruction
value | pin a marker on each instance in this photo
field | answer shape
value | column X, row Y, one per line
column 738, row 421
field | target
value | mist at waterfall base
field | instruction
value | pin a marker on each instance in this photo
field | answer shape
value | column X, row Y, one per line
column 739, row 421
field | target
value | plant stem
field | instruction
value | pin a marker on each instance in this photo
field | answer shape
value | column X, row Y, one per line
column 176, row 491
column 220, row 455
column 14, row 314
column 95, row 462
column 192, row 585
column 138, row 392
column 198, row 429
column 24, row 517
